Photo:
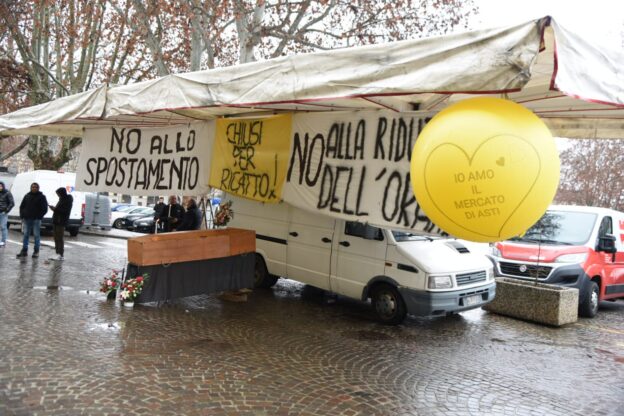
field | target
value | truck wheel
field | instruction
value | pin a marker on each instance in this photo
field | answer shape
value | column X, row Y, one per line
column 118, row 223
column 73, row 232
column 262, row 278
column 589, row 307
column 389, row 305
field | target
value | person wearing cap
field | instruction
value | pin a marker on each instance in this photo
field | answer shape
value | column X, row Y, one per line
column 59, row 221
column 6, row 204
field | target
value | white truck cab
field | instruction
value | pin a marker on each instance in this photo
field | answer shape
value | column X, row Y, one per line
column 400, row 272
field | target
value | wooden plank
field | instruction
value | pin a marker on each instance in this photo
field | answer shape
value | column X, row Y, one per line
column 242, row 241
column 185, row 246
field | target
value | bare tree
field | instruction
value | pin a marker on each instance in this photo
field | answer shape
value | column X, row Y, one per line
column 59, row 48
column 592, row 174
column 209, row 33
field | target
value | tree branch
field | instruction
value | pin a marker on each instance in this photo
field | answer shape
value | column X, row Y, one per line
column 47, row 71
column 16, row 150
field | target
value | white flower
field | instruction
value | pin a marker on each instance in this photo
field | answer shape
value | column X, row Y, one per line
column 124, row 294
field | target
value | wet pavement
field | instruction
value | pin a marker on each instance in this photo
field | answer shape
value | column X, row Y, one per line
column 66, row 350
column 110, row 233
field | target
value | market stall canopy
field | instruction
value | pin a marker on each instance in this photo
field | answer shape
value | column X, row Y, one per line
column 578, row 91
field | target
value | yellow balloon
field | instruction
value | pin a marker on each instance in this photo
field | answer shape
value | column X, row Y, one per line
column 485, row 169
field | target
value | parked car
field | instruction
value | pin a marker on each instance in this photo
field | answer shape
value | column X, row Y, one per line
column 144, row 225
column 400, row 272
column 49, row 181
column 118, row 212
column 118, row 216
column 116, row 207
column 572, row 246
column 128, row 220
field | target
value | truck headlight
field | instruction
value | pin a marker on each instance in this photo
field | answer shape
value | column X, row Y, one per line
column 494, row 251
column 440, row 282
column 490, row 274
column 572, row 258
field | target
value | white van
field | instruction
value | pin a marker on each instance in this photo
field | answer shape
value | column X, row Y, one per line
column 49, row 181
column 400, row 272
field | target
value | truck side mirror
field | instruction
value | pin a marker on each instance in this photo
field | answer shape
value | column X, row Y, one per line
column 606, row 243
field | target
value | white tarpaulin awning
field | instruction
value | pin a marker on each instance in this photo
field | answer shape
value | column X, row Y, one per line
column 582, row 96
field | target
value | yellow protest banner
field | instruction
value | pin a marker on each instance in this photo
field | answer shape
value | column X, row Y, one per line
column 250, row 156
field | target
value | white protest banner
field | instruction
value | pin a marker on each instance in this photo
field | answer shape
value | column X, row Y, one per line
column 356, row 166
column 146, row 161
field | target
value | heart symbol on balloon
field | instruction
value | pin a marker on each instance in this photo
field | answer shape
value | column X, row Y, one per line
column 472, row 182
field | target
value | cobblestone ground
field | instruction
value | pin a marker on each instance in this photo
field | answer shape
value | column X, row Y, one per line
column 66, row 350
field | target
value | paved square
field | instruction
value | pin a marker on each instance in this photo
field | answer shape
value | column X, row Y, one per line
column 66, row 350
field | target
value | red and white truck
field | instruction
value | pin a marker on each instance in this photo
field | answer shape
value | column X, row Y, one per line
column 573, row 246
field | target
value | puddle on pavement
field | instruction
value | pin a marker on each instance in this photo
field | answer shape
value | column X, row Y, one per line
column 107, row 327
column 52, row 287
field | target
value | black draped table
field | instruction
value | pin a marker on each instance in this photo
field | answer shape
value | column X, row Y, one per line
column 177, row 280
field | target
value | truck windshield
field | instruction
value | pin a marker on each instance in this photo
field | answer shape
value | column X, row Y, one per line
column 561, row 227
column 407, row 236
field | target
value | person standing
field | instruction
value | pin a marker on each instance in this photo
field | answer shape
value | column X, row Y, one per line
column 32, row 209
column 6, row 204
column 172, row 214
column 192, row 219
column 60, row 218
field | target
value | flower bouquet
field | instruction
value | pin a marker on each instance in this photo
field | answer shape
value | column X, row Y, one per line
column 224, row 214
column 131, row 289
column 110, row 285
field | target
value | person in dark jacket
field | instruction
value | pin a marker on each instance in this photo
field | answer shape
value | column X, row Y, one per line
column 172, row 214
column 60, row 218
column 32, row 209
column 192, row 217
column 6, row 204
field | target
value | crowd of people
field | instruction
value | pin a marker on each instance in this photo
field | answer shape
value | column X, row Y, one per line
column 174, row 217
column 34, row 206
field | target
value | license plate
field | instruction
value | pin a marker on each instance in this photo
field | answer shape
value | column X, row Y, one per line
column 472, row 300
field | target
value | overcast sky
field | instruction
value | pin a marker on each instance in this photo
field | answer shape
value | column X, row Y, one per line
column 598, row 19
column 580, row 12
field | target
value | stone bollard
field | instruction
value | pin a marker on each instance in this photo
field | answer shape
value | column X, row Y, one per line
column 537, row 302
